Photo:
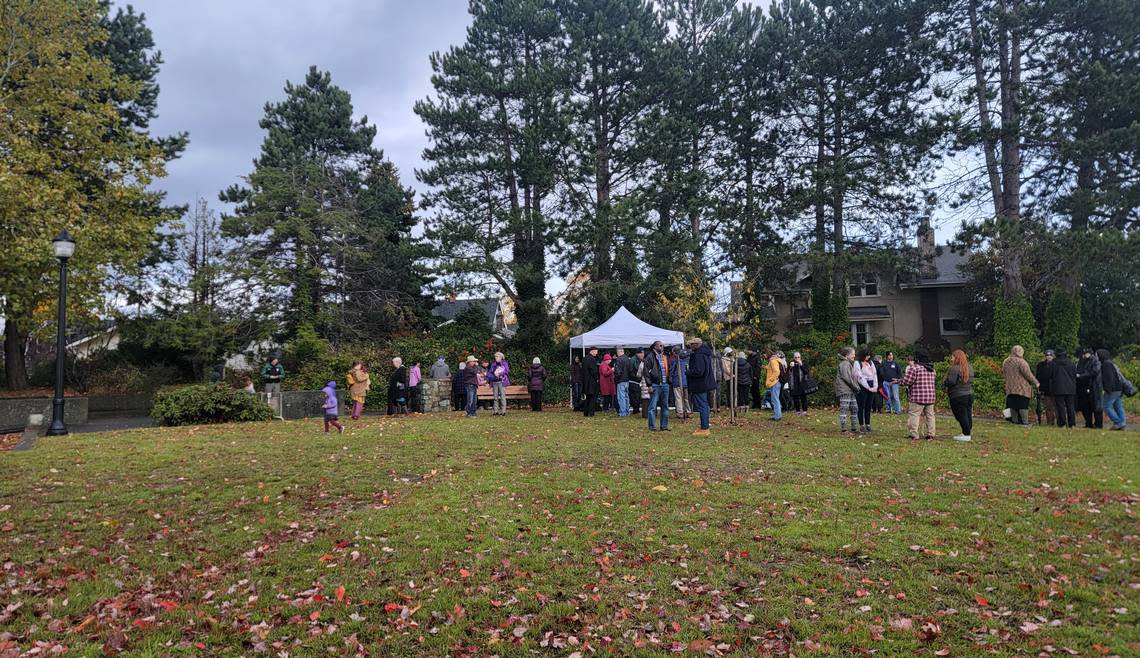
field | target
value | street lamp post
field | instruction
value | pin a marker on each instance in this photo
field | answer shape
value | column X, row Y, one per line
column 64, row 248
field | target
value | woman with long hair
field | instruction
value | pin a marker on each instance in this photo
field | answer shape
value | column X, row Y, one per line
column 869, row 388
column 959, row 388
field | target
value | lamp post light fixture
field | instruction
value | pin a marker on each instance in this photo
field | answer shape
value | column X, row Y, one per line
column 63, row 246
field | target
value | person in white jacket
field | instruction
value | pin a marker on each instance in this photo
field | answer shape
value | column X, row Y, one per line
column 868, row 389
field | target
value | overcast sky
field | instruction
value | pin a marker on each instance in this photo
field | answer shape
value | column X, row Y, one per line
column 224, row 59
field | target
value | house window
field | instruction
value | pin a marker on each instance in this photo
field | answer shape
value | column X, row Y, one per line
column 953, row 327
column 861, row 332
column 867, row 287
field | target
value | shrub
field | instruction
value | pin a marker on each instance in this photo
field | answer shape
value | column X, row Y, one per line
column 1014, row 325
column 207, row 403
column 1063, row 321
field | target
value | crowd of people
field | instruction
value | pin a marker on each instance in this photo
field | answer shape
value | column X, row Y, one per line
column 694, row 381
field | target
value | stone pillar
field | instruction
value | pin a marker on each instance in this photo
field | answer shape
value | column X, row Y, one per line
column 436, row 395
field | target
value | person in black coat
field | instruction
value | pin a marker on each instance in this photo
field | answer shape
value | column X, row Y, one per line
column 398, row 388
column 459, row 389
column 1063, row 385
column 591, row 381
column 701, row 380
column 1044, row 374
column 743, row 382
column 1089, row 393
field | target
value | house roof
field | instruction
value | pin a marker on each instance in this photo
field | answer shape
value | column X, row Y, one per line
column 450, row 310
column 945, row 270
column 856, row 313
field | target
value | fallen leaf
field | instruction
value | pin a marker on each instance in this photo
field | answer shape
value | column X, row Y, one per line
column 661, row 487
column 339, row 594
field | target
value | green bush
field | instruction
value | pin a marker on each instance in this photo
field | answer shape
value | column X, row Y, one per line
column 1014, row 325
column 1131, row 370
column 1062, row 321
column 207, row 403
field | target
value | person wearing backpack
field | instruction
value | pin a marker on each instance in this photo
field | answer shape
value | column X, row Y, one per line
column 1116, row 386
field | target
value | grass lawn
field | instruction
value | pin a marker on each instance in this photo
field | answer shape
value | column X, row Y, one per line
column 556, row 535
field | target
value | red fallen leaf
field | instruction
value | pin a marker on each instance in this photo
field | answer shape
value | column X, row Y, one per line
column 339, row 594
column 200, row 645
column 326, row 558
column 391, row 607
column 981, row 600
column 495, row 603
column 861, row 593
column 168, row 605
column 314, row 615
column 463, row 573
column 701, row 645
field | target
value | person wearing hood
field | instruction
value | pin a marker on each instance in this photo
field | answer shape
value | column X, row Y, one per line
column 1116, row 385
column 358, row 385
column 497, row 378
column 1019, row 385
column 331, row 405
column 439, row 369
column 459, row 388
column 1044, row 374
column 606, row 385
column 1064, row 389
column 1089, row 389
column 398, row 388
column 919, row 380
column 536, row 383
column 701, row 381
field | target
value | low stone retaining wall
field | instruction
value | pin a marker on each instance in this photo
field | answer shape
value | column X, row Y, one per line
column 120, row 406
column 14, row 412
column 436, row 395
column 295, row 405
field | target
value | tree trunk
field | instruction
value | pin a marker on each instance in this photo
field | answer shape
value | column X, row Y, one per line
column 989, row 143
column 15, row 368
column 1009, row 61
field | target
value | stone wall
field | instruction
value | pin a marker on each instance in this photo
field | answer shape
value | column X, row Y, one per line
column 436, row 395
column 14, row 412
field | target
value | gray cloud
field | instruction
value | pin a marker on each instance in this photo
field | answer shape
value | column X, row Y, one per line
column 224, row 59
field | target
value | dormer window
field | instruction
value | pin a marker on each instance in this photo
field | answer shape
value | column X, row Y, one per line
column 867, row 285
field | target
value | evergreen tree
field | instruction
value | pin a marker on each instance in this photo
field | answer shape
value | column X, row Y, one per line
column 614, row 57
column 324, row 221
column 497, row 136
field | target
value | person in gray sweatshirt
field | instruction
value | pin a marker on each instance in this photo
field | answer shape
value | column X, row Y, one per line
column 846, row 388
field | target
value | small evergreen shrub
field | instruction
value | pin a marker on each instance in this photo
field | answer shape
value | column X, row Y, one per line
column 1014, row 325
column 207, row 403
column 1062, row 321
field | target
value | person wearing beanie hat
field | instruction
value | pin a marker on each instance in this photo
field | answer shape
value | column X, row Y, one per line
column 1044, row 373
column 536, row 383
column 471, row 384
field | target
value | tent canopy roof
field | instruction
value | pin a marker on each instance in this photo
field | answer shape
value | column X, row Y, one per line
column 624, row 329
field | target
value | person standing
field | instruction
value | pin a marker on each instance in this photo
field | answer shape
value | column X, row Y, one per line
column 622, row 373
column 798, row 376
column 1064, row 386
column 576, row 383
column 536, row 383
column 459, row 388
column 1115, row 386
column 606, row 384
column 1089, row 389
column 743, row 382
column 415, row 377
column 1019, row 385
column 701, row 381
column 439, row 369
column 331, row 405
column 868, row 389
column 724, row 366
column 892, row 373
column 497, row 377
column 398, row 388
column 658, row 371
column 358, row 385
column 634, row 385
column 756, row 366
column 919, row 380
column 960, row 390
column 773, row 385
column 272, row 376
column 591, row 382
column 471, row 385
column 877, row 399
column 1044, row 373
column 681, row 398
column 847, row 390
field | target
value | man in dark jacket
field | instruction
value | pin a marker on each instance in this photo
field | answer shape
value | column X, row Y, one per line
column 892, row 373
column 659, row 370
column 1044, row 375
column 701, row 381
column 591, row 381
column 1089, row 391
column 1063, row 385
column 621, row 381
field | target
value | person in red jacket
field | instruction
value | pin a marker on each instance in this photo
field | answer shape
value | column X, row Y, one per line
column 606, row 382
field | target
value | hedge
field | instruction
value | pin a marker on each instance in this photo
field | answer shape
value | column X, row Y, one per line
column 207, row 403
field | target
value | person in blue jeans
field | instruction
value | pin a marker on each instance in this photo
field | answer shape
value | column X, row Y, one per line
column 621, row 381
column 659, row 367
column 772, row 378
column 471, row 385
column 892, row 373
column 701, row 381
column 1114, row 383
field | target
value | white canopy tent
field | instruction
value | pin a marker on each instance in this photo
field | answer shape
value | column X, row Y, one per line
column 624, row 329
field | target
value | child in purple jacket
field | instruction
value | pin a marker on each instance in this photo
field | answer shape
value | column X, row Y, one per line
column 331, row 406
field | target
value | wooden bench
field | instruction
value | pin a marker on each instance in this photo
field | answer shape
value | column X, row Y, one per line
column 518, row 393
